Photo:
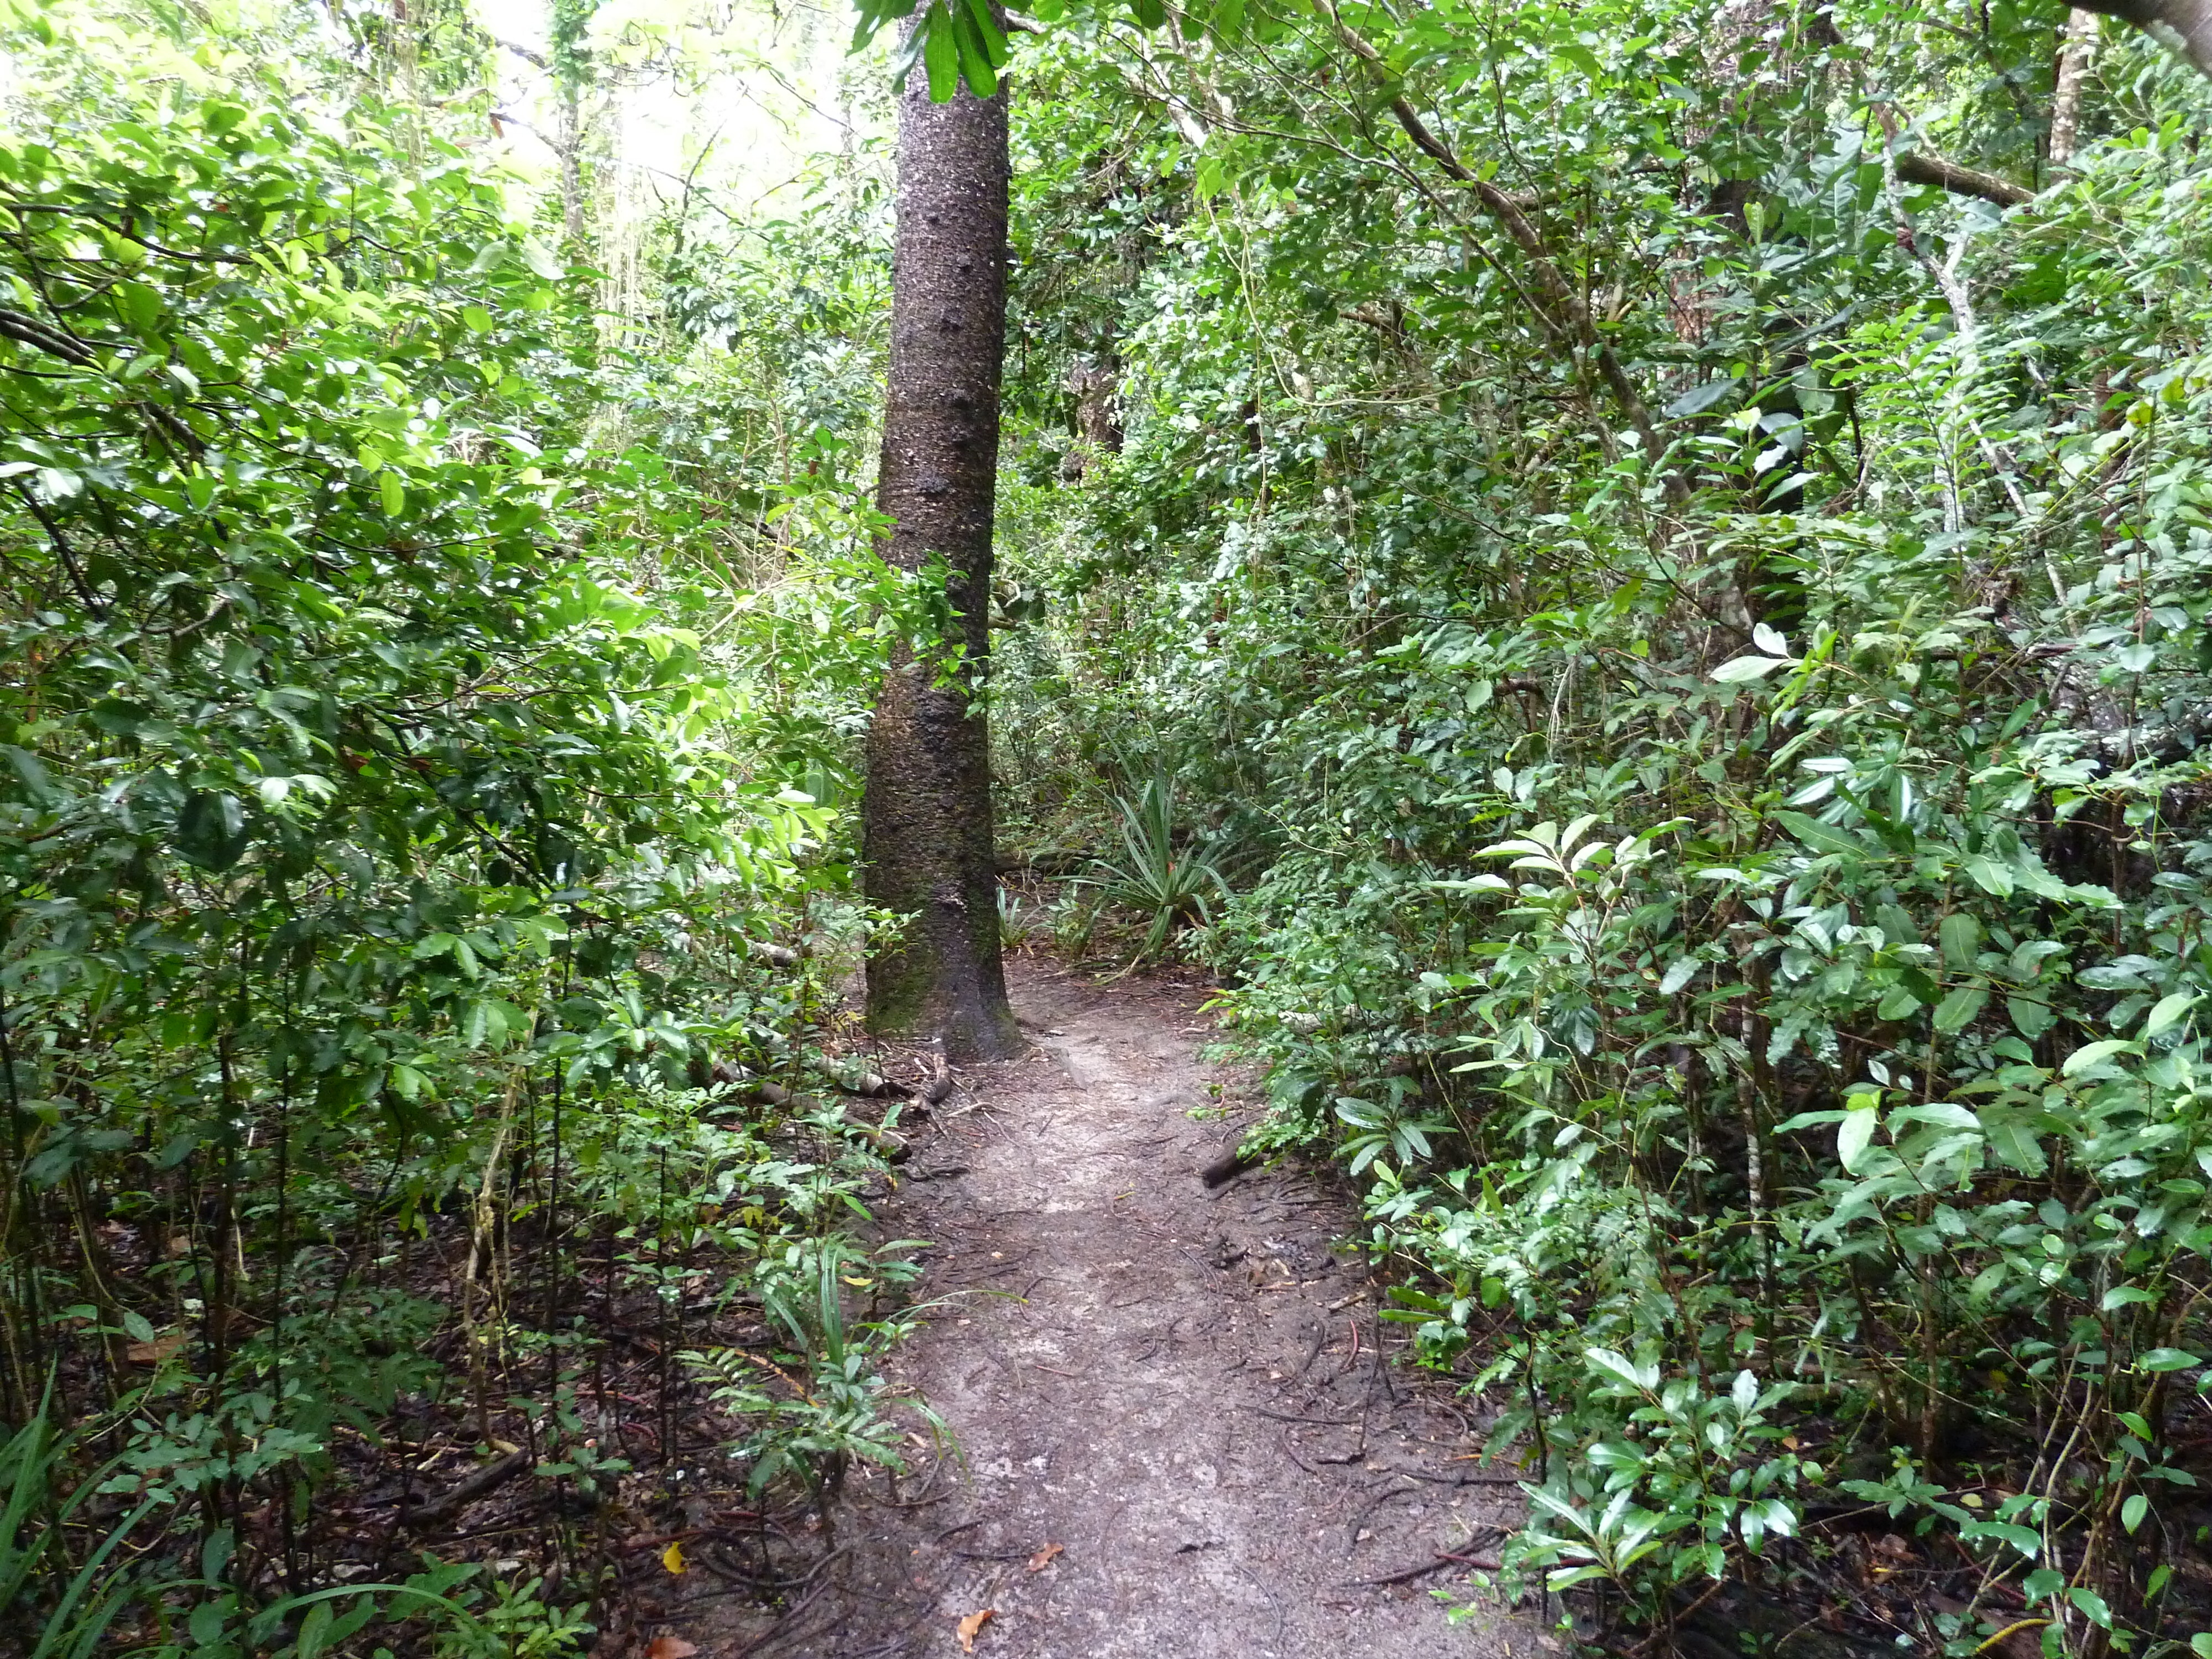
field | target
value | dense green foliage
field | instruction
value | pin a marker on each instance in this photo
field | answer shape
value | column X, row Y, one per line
column 1659, row 654
column 1741, row 914
column 411, row 685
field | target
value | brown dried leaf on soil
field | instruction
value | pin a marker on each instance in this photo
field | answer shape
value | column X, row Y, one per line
column 1042, row 1559
column 971, row 1624
column 153, row 1352
column 671, row 1647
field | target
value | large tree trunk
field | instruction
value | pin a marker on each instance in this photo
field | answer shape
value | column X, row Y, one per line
column 2184, row 26
column 926, row 819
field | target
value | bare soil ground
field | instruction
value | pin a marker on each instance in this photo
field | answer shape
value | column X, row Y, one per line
column 1179, row 1429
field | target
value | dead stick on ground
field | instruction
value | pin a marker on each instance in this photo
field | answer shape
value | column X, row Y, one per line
column 1405, row 1574
column 458, row 1497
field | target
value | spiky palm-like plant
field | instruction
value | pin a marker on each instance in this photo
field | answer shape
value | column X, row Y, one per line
column 1152, row 878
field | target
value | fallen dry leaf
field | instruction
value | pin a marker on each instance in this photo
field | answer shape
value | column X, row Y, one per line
column 153, row 1352
column 671, row 1647
column 672, row 1558
column 973, row 1623
column 1042, row 1559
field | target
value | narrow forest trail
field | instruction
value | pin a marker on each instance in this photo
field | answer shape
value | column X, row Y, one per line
column 1182, row 1390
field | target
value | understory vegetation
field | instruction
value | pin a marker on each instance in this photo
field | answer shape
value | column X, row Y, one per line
column 1688, row 639
column 426, row 692
column 1633, row 578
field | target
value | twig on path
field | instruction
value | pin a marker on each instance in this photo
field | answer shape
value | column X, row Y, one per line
column 722, row 1568
column 1407, row 1575
column 1379, row 1374
column 1456, row 1480
column 1311, row 1422
column 1291, row 1447
column 1282, row 1614
column 1352, row 1528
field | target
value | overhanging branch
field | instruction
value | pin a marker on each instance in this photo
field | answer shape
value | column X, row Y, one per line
column 1560, row 307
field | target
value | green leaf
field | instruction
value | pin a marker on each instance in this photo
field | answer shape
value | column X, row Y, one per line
column 2095, row 1054
column 212, row 830
column 1957, row 1011
column 27, row 766
column 392, row 493
column 208, row 1621
column 988, row 32
column 2132, row 1512
column 941, row 54
column 1990, row 878
column 2167, row 1360
column 1960, row 936
column 1748, row 668
column 2030, row 1018
column 1896, row 923
column 2092, row 1606
column 1898, row 1002
column 1584, row 59
column 314, row 1630
column 1822, row 837
column 974, row 57
column 2168, row 1011
column 1699, row 398
column 1642, row 1379
column 2016, row 1144
column 1855, row 1134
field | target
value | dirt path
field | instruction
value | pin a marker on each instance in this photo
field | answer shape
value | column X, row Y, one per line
column 1178, row 1387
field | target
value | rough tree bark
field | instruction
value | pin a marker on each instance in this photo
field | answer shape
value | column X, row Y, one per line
column 2077, row 45
column 925, row 817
